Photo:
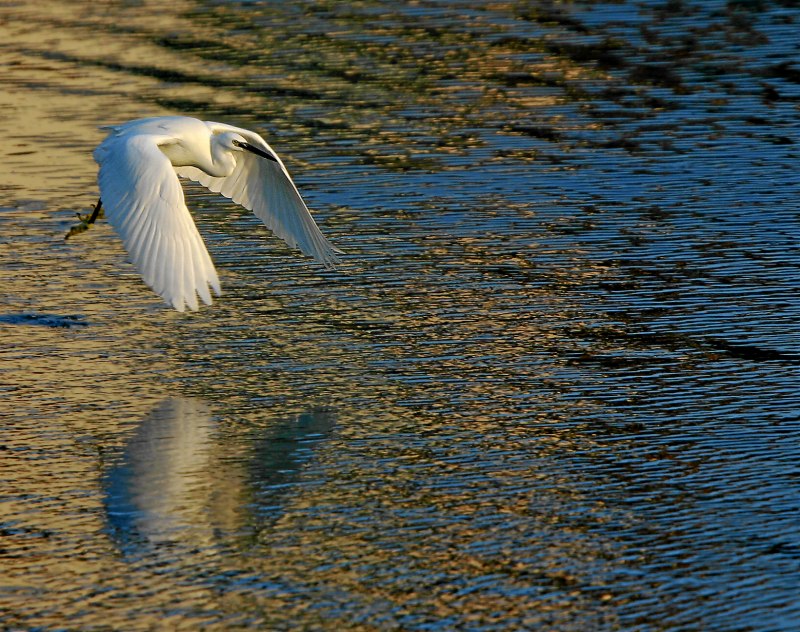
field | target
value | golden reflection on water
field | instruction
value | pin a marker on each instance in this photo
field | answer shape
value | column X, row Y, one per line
column 190, row 489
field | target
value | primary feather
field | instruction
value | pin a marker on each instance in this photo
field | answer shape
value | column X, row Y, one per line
column 139, row 166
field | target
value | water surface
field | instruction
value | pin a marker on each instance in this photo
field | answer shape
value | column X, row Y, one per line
column 554, row 385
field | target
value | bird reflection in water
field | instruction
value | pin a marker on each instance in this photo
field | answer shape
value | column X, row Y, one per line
column 171, row 487
column 157, row 494
column 279, row 457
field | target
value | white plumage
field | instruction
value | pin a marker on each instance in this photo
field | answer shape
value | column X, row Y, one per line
column 140, row 162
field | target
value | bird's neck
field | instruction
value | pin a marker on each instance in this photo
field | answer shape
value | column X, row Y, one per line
column 218, row 164
column 221, row 166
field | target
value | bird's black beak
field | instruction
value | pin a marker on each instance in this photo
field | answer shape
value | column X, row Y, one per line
column 256, row 150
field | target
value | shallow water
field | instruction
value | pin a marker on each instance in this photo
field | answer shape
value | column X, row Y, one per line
column 554, row 385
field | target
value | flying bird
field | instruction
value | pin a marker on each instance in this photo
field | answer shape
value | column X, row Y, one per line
column 140, row 162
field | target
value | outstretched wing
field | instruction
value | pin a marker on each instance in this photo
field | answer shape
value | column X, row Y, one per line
column 265, row 187
column 144, row 202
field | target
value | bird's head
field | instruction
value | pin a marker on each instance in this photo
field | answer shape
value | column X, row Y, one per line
column 234, row 142
column 229, row 141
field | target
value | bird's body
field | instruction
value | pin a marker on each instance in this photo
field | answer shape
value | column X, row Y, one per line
column 140, row 162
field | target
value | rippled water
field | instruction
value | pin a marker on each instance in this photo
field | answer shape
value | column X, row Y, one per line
column 554, row 386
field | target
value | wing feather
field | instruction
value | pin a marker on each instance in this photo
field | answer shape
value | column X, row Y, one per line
column 265, row 187
column 144, row 202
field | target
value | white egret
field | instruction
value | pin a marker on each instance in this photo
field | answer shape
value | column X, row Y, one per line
column 140, row 162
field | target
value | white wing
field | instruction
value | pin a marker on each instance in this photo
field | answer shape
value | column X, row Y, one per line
column 265, row 187
column 144, row 202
